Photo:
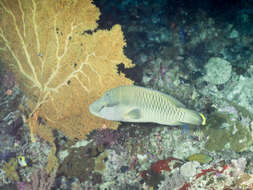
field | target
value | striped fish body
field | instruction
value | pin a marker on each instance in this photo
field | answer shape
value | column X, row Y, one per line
column 139, row 104
column 146, row 105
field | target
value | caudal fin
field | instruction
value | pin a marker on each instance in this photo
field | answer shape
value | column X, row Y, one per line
column 193, row 117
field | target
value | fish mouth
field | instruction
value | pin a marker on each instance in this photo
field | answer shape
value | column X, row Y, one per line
column 95, row 109
column 92, row 109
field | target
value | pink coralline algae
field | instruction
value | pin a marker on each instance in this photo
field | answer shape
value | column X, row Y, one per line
column 107, row 137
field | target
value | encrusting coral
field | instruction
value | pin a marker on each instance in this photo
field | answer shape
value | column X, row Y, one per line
column 61, row 63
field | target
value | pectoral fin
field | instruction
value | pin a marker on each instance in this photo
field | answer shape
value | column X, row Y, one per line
column 132, row 114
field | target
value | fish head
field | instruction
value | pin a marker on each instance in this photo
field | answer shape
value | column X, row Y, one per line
column 106, row 107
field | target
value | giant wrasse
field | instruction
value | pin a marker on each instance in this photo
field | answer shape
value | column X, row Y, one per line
column 139, row 104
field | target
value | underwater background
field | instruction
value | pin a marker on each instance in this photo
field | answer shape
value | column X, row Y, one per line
column 57, row 57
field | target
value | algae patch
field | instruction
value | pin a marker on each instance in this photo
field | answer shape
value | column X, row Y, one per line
column 224, row 132
column 10, row 169
column 80, row 162
column 199, row 157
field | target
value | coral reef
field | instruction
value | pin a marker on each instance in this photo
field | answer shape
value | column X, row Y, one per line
column 10, row 169
column 40, row 180
column 107, row 137
column 218, row 71
column 62, row 54
column 241, row 92
column 80, row 162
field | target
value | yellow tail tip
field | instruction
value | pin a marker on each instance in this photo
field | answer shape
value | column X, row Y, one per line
column 203, row 119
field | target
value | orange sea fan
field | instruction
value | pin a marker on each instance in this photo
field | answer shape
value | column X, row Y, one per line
column 60, row 67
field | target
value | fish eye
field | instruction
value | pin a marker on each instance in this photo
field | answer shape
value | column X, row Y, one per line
column 107, row 94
